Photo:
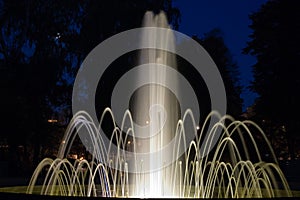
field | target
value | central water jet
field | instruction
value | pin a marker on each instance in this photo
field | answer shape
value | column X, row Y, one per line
column 155, row 109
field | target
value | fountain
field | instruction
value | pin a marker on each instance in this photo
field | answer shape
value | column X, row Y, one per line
column 192, row 176
column 157, row 148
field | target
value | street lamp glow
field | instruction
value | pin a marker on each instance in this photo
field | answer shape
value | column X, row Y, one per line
column 52, row 120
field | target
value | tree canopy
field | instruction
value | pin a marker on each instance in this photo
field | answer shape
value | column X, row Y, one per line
column 42, row 44
column 275, row 43
column 214, row 44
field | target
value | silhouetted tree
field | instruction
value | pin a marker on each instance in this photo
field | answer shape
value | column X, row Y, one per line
column 275, row 43
column 214, row 44
column 32, row 54
column 42, row 44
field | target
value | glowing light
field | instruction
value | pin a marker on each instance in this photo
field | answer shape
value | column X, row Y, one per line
column 58, row 36
column 52, row 120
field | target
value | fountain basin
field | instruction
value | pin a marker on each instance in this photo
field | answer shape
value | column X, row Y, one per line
column 19, row 192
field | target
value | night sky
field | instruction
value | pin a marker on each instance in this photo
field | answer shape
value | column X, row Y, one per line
column 231, row 16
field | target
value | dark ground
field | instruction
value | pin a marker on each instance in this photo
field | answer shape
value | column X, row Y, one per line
column 291, row 169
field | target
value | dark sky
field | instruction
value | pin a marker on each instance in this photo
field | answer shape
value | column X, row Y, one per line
column 231, row 16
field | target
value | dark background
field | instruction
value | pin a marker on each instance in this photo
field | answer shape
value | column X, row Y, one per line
column 255, row 45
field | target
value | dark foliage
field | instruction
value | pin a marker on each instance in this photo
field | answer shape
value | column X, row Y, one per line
column 275, row 43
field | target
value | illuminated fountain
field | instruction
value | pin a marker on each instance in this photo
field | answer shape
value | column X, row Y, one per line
column 192, row 176
column 137, row 161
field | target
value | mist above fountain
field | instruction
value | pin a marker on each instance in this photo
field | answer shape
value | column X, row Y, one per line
column 150, row 153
